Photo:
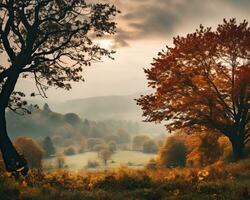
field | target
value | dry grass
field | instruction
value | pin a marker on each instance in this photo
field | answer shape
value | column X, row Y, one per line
column 217, row 181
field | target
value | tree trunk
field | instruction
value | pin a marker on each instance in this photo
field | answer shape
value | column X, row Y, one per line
column 238, row 148
column 13, row 161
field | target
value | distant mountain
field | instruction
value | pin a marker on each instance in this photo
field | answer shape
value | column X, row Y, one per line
column 44, row 122
column 105, row 108
column 102, row 108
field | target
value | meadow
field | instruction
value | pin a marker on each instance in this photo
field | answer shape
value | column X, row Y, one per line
column 78, row 162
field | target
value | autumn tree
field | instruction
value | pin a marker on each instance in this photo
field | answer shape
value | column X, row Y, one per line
column 203, row 82
column 105, row 154
column 31, row 150
column 50, row 42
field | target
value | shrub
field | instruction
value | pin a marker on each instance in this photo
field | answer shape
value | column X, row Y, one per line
column 226, row 148
column 92, row 164
column 31, row 150
column 150, row 147
column 204, row 149
column 152, row 164
column 69, row 151
column 173, row 153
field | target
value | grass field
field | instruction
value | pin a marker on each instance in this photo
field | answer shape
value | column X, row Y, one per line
column 132, row 159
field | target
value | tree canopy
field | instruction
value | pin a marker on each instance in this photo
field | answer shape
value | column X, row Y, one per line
column 203, row 82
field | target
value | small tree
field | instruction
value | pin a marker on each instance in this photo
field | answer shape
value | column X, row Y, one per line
column 112, row 146
column 92, row 142
column 48, row 146
column 203, row 82
column 105, row 154
column 50, row 42
column 138, row 142
column 31, row 151
column 60, row 159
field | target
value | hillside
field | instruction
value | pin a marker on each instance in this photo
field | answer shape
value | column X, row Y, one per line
column 107, row 108
column 103, row 107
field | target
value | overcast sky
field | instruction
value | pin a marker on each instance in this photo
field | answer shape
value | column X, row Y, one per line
column 144, row 28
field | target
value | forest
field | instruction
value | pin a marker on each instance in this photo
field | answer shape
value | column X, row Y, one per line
column 178, row 128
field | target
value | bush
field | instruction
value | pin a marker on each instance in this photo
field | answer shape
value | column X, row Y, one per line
column 226, row 148
column 173, row 153
column 69, row 151
column 204, row 149
column 152, row 164
column 92, row 164
column 31, row 151
column 150, row 147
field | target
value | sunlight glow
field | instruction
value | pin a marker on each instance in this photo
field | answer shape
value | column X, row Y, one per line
column 106, row 44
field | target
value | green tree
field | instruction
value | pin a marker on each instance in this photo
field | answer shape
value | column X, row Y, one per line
column 49, row 41
column 48, row 146
column 150, row 147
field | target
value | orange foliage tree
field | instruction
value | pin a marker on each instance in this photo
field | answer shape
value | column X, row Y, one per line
column 203, row 82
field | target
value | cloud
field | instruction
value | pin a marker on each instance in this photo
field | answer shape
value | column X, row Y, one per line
column 144, row 19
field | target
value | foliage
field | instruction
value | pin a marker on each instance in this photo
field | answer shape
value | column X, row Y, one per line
column 69, row 151
column 204, row 149
column 105, row 153
column 173, row 153
column 92, row 142
column 220, row 181
column 150, row 146
column 92, row 164
column 31, row 151
column 138, row 141
column 48, row 146
column 202, row 82
column 112, row 146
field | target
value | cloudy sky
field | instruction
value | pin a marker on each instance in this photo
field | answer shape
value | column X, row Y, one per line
column 144, row 28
